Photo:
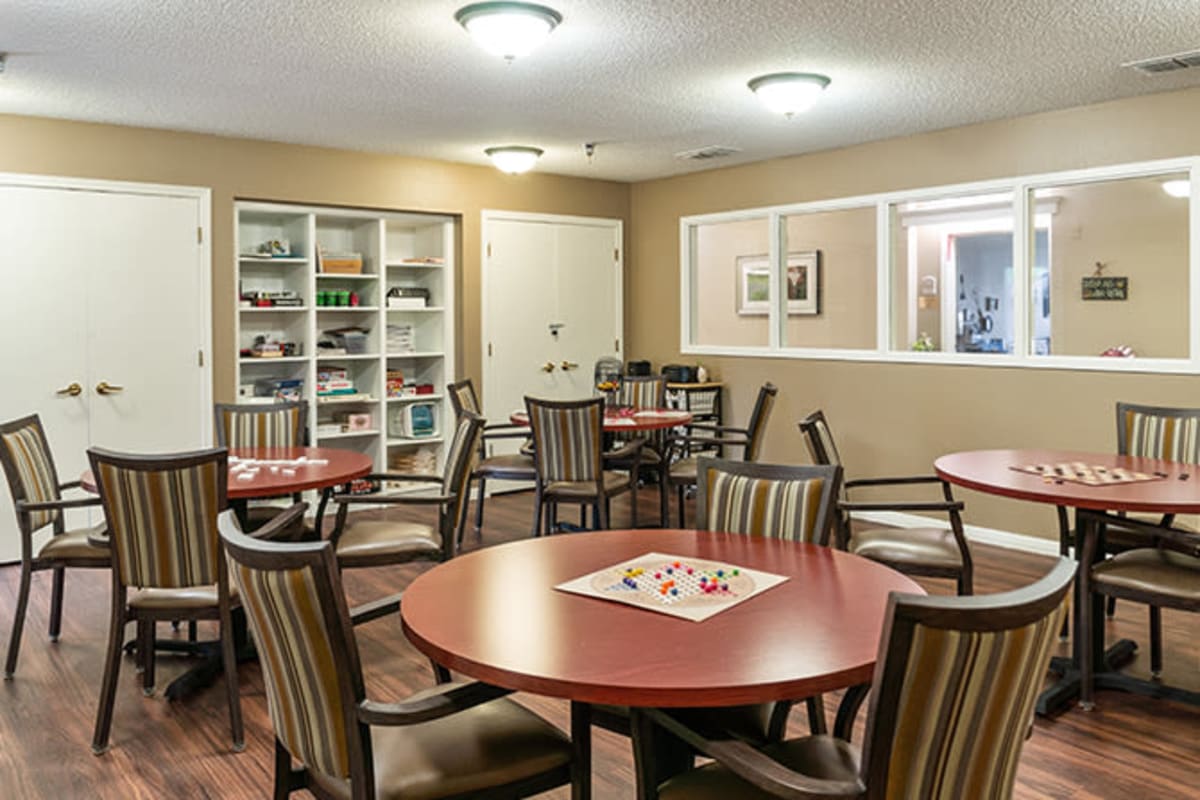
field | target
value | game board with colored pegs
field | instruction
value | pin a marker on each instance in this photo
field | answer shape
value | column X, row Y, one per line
column 680, row 586
column 1087, row 474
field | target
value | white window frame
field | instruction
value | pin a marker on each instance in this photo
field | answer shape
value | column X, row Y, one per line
column 1020, row 189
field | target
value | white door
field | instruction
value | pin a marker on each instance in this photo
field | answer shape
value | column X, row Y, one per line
column 552, row 306
column 103, row 285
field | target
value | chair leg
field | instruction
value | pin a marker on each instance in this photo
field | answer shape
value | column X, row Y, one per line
column 664, row 499
column 682, row 519
column 537, row 511
column 633, row 503
column 816, row 714
column 1155, row 642
column 283, row 772
column 192, row 630
column 14, row 641
column 146, row 630
column 966, row 583
column 1111, row 610
column 229, row 663
column 112, row 668
column 602, row 512
column 56, row 603
column 1084, row 633
column 479, row 509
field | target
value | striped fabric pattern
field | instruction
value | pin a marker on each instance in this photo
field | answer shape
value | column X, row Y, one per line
column 163, row 523
column 758, row 425
column 464, row 397
column 567, row 441
column 37, row 479
column 296, row 651
column 784, row 509
column 826, row 438
column 642, row 393
column 965, row 705
column 262, row 427
column 1171, row 438
column 460, row 461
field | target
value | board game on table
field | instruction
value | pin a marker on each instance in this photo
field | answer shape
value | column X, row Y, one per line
column 680, row 586
column 1087, row 474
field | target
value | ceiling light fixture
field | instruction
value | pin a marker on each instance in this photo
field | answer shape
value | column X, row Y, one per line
column 514, row 159
column 789, row 93
column 508, row 29
column 1181, row 187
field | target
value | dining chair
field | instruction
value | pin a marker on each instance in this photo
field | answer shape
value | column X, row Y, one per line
column 455, row 740
column 568, row 443
column 643, row 392
column 376, row 541
column 255, row 425
column 682, row 471
column 945, row 721
column 932, row 552
column 500, row 466
column 770, row 500
column 38, row 502
column 161, row 512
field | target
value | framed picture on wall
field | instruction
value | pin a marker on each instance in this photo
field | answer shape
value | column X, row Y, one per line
column 802, row 284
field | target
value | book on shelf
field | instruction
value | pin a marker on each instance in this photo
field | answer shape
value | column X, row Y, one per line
column 347, row 397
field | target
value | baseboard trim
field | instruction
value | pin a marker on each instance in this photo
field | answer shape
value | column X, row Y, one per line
column 975, row 533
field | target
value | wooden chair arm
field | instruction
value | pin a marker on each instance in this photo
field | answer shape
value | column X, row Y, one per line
column 518, row 434
column 932, row 505
column 631, row 448
column 279, row 523
column 419, row 477
column 54, row 505
column 393, row 499
column 712, row 426
column 713, row 440
column 907, row 479
column 411, row 712
column 70, row 485
column 756, row 767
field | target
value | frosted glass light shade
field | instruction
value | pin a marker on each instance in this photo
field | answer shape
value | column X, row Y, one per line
column 789, row 93
column 510, row 30
column 514, row 159
column 1178, row 188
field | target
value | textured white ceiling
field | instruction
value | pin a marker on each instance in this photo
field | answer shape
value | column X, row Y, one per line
column 643, row 79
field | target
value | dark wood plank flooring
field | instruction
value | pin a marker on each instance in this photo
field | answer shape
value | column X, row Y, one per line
column 1128, row 747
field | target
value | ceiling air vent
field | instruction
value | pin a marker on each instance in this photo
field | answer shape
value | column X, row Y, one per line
column 706, row 153
column 1160, row 64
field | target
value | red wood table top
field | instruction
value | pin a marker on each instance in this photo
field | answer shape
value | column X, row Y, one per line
column 615, row 421
column 991, row 471
column 341, row 467
column 494, row 615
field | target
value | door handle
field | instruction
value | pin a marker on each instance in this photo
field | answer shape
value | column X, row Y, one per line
column 104, row 387
column 569, row 365
column 548, row 366
column 74, row 390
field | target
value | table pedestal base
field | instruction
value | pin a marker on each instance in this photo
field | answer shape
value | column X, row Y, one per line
column 1108, row 676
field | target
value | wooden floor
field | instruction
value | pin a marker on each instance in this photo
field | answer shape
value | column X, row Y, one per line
column 1129, row 747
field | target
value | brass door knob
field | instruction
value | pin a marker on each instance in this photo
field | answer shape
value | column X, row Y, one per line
column 569, row 365
column 104, row 387
column 74, row 390
column 548, row 366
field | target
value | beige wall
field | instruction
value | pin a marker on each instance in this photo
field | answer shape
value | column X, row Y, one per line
column 719, row 249
column 846, row 240
column 241, row 168
column 897, row 418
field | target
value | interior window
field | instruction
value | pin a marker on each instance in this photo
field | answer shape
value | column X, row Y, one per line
column 731, row 277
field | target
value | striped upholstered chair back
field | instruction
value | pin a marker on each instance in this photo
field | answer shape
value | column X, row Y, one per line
column 463, row 397
column 567, row 438
column 460, row 461
column 642, row 391
column 1170, row 434
column 268, row 425
column 819, row 439
column 25, row 454
column 782, row 502
column 311, row 670
column 756, row 428
column 162, row 515
column 955, row 684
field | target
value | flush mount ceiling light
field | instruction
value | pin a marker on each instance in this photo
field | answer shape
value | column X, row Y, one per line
column 1181, row 187
column 513, row 159
column 508, row 29
column 789, row 93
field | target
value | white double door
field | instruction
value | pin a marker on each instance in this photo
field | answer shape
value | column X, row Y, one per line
column 106, row 327
column 552, row 306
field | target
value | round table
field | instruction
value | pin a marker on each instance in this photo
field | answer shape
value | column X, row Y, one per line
column 1176, row 492
column 495, row 615
column 616, row 421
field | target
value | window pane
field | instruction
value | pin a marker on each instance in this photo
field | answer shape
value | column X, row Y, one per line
column 1116, row 276
column 730, row 283
column 952, row 274
column 830, row 279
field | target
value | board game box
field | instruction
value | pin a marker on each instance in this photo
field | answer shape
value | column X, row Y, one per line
column 681, row 586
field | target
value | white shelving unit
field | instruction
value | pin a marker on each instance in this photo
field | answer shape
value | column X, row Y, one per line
column 397, row 249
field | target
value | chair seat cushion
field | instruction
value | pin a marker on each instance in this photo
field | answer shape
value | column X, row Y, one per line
column 917, row 547
column 388, row 539
column 684, row 470
column 74, row 545
column 1161, row 572
column 579, row 490
column 189, row 598
column 487, row 745
column 823, row 757
column 515, row 466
